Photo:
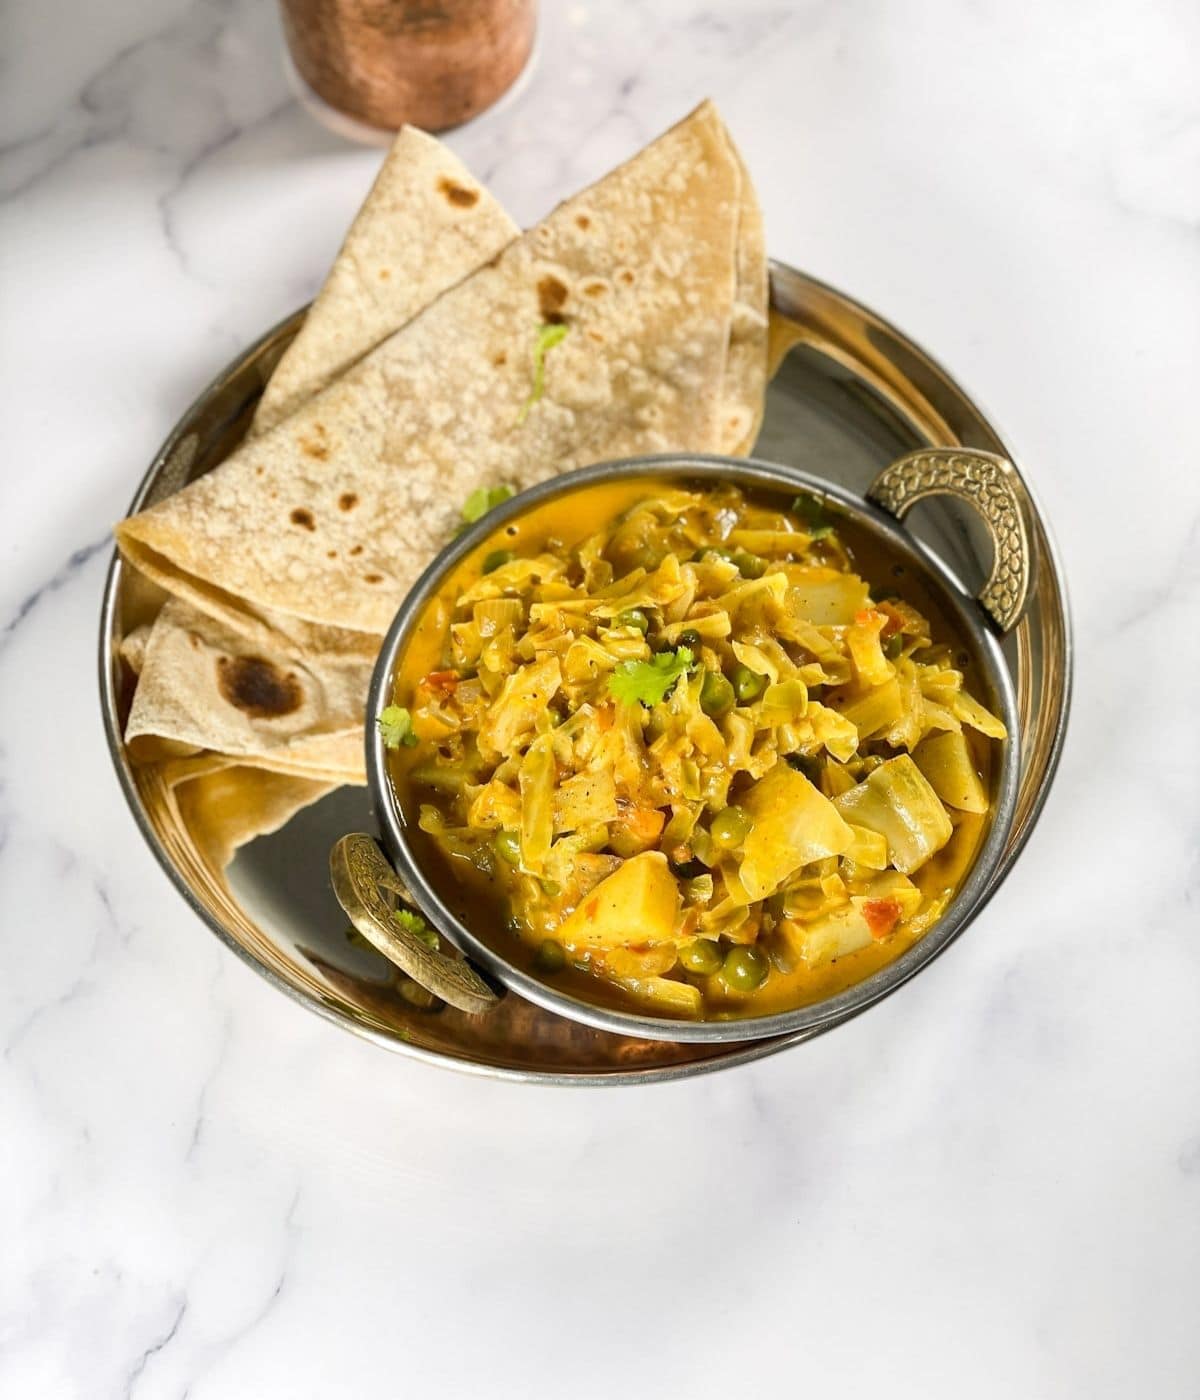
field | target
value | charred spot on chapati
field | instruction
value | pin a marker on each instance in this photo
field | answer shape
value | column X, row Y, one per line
column 552, row 297
column 458, row 194
column 258, row 687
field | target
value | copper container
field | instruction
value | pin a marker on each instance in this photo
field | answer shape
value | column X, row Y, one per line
column 432, row 63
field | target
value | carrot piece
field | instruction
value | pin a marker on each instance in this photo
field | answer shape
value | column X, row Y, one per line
column 881, row 915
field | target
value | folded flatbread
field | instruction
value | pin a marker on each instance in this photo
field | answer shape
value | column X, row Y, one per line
column 204, row 685
column 425, row 224
column 658, row 274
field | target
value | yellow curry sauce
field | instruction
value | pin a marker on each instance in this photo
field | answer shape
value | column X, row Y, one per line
column 665, row 746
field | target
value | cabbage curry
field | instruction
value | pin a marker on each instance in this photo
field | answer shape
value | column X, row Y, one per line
column 668, row 747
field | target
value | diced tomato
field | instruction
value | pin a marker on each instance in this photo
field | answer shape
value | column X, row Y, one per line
column 442, row 682
column 870, row 617
column 881, row 916
column 604, row 717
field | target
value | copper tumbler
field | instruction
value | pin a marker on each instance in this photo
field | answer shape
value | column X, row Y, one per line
column 433, row 63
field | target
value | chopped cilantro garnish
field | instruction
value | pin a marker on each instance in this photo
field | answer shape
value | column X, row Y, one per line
column 814, row 515
column 483, row 499
column 649, row 681
column 548, row 336
column 416, row 925
column 395, row 727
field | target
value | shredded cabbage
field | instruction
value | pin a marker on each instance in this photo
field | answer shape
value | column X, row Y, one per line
column 896, row 801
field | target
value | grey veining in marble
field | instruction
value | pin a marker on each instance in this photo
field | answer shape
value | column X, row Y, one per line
column 990, row 1185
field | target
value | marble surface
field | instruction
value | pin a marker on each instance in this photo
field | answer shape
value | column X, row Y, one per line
column 990, row 1185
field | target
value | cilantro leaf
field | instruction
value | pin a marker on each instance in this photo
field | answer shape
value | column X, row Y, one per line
column 416, row 925
column 395, row 727
column 649, row 682
column 483, row 499
column 814, row 516
column 548, row 336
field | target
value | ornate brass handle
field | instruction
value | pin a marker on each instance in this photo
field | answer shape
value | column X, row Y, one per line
column 360, row 876
column 991, row 485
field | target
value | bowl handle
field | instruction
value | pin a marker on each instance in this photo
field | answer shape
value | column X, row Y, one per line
column 991, row 485
column 360, row 876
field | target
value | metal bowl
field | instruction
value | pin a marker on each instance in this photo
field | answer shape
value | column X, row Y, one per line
column 851, row 394
column 986, row 482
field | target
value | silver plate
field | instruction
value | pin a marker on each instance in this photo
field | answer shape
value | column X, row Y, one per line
column 850, row 396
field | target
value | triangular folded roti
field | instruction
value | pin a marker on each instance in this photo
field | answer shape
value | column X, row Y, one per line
column 425, row 224
column 203, row 685
column 328, row 517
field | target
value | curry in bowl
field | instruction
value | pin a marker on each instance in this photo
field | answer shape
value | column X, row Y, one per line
column 667, row 747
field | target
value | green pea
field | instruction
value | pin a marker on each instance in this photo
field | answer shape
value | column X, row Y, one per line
column 496, row 559
column 730, row 828
column 635, row 618
column 551, row 888
column 702, row 956
column 750, row 565
column 689, row 638
column 508, row 847
column 744, row 969
column 894, row 646
column 550, row 956
column 716, row 694
column 747, row 684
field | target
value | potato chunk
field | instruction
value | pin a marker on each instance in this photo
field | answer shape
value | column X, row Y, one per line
column 637, row 903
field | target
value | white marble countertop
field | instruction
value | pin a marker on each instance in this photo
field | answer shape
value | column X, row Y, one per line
column 987, row 1187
